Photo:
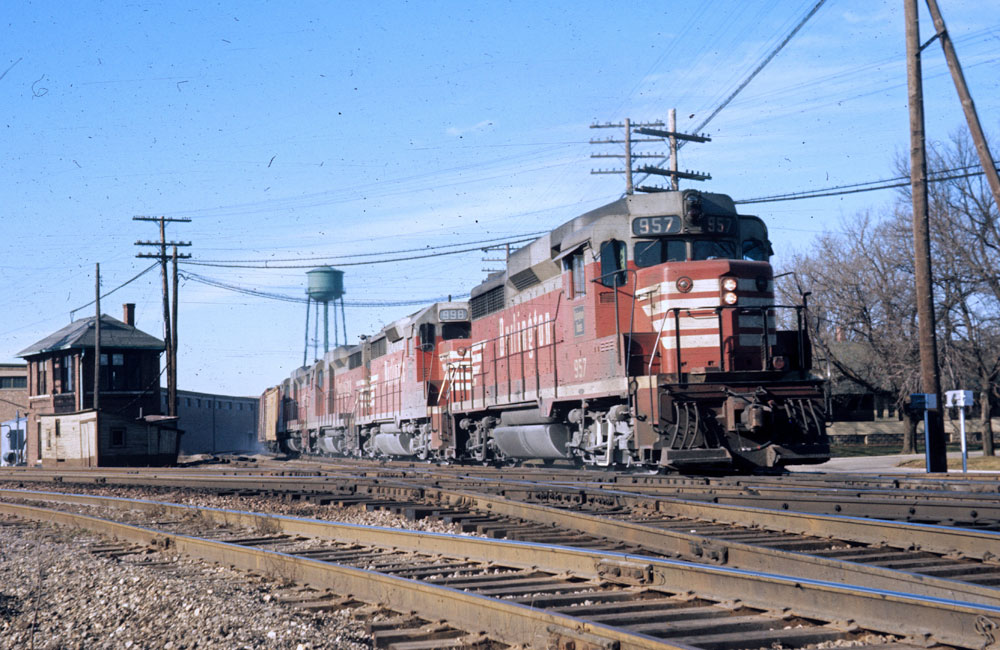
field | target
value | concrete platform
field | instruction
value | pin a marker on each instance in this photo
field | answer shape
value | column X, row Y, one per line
column 878, row 465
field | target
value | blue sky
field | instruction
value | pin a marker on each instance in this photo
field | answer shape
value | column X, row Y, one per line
column 320, row 129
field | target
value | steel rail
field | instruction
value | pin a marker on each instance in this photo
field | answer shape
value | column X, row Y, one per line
column 510, row 622
column 706, row 548
column 894, row 486
column 757, row 558
column 656, row 485
column 944, row 621
column 945, row 540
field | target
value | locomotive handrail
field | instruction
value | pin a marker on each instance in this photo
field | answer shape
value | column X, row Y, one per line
column 507, row 357
column 631, row 324
column 763, row 310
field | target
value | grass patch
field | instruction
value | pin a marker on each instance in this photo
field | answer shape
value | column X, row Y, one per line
column 975, row 462
column 850, row 451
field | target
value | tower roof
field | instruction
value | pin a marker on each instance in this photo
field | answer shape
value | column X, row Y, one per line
column 80, row 335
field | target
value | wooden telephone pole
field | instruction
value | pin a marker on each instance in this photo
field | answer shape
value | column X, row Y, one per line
column 97, row 338
column 930, row 379
column 656, row 134
column 929, row 376
column 169, row 325
column 968, row 106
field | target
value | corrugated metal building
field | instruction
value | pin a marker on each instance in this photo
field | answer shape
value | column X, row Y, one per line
column 215, row 423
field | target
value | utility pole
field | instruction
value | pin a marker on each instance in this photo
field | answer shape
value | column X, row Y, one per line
column 497, row 247
column 937, row 460
column 169, row 335
column 97, row 339
column 629, row 188
column 653, row 129
column 672, row 127
column 971, row 116
column 173, row 339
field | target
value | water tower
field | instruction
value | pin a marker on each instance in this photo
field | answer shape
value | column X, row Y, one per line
column 325, row 284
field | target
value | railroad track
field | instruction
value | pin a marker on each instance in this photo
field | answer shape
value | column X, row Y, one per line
column 979, row 507
column 539, row 595
column 952, row 482
column 918, row 559
column 926, row 560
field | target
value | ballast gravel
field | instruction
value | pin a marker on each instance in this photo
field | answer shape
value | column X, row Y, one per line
column 55, row 593
column 262, row 504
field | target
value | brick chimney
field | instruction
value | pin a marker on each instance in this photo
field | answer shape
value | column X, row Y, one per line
column 129, row 309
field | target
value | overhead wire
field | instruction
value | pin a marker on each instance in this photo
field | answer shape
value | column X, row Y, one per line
column 212, row 282
column 265, row 264
column 746, row 81
column 502, row 240
column 870, row 186
column 135, row 277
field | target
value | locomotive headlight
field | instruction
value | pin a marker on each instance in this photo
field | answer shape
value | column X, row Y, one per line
column 729, row 284
column 729, row 298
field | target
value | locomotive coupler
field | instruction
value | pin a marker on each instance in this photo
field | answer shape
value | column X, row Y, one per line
column 744, row 412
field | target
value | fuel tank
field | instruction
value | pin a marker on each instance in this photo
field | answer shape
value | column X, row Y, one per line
column 394, row 444
column 533, row 440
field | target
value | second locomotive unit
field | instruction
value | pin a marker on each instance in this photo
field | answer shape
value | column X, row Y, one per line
column 643, row 333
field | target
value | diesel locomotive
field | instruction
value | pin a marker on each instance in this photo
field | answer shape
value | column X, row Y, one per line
column 644, row 334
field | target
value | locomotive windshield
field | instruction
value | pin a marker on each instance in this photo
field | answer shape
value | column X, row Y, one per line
column 713, row 249
column 658, row 251
column 715, row 243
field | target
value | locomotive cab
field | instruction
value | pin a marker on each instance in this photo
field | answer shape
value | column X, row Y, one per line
column 731, row 388
column 410, row 378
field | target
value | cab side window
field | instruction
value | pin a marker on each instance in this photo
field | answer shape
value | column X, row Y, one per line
column 427, row 336
column 613, row 263
column 754, row 243
column 574, row 263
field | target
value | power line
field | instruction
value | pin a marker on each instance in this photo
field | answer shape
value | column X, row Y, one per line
column 759, row 67
column 105, row 295
column 750, row 77
column 267, row 265
column 257, row 293
column 396, row 252
column 870, row 186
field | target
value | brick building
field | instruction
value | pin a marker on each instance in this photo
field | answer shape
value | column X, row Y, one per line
column 63, row 426
column 13, row 390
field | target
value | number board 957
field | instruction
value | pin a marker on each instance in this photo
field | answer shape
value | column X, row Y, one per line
column 654, row 226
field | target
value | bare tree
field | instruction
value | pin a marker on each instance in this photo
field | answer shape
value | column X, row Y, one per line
column 863, row 314
column 966, row 243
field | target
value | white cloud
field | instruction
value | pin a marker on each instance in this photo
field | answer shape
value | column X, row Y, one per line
column 459, row 131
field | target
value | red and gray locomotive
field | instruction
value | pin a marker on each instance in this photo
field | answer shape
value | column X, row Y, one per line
column 644, row 333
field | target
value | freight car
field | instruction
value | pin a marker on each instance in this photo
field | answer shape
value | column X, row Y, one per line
column 644, row 333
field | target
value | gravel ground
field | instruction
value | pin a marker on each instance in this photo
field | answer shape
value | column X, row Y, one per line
column 54, row 593
column 251, row 504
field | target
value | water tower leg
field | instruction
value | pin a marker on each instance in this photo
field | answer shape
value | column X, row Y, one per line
column 326, row 327
column 343, row 320
column 335, row 337
column 305, row 350
column 316, row 332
